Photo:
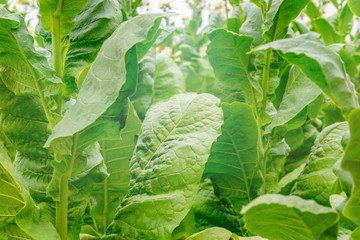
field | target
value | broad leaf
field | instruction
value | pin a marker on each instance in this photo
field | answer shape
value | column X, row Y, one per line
column 58, row 16
column 95, row 23
column 117, row 154
column 18, row 215
column 318, row 181
column 289, row 217
column 319, row 64
column 279, row 16
column 227, row 55
column 253, row 22
column 350, row 163
column 233, row 162
column 327, row 31
column 300, row 91
column 167, row 166
column 24, row 70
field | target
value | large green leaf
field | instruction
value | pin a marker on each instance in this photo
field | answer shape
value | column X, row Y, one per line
column 227, row 55
column 300, row 91
column 167, row 166
column 96, row 22
column 108, row 75
column 19, row 217
column 24, row 123
column 279, row 16
column 278, row 217
column 58, row 16
column 24, row 70
column 350, row 163
column 117, row 154
column 233, row 162
column 354, row 6
column 321, row 65
column 318, row 181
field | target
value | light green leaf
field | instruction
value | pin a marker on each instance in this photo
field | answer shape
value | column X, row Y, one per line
column 327, row 31
column 319, row 64
column 24, row 70
column 178, row 135
column 356, row 234
column 253, row 22
column 227, row 55
column 117, row 154
column 95, row 23
column 354, row 6
column 17, row 210
column 278, row 217
column 312, row 10
column 300, row 91
column 233, row 162
column 58, row 16
column 345, row 20
column 279, row 16
column 350, row 163
column 214, row 233
column 108, row 73
column 318, row 181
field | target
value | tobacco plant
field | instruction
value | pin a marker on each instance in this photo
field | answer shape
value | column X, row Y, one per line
column 247, row 129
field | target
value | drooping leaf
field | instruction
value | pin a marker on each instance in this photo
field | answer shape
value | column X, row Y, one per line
column 319, row 64
column 279, row 16
column 117, row 154
column 24, row 70
column 350, row 163
column 227, row 55
column 289, row 217
column 318, row 181
column 59, row 16
column 94, row 24
column 178, row 134
column 300, row 91
column 233, row 162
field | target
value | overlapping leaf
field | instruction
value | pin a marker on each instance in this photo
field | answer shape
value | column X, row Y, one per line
column 233, row 162
column 319, row 64
column 167, row 166
column 277, row 217
column 318, row 181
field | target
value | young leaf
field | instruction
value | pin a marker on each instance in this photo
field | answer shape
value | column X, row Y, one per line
column 289, row 217
column 167, row 166
column 233, row 162
column 300, row 91
column 279, row 16
column 227, row 55
column 319, row 64
column 327, row 31
column 318, row 181
column 350, row 163
column 253, row 22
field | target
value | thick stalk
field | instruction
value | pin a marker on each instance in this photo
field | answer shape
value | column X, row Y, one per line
column 62, row 205
column 265, row 80
column 106, row 207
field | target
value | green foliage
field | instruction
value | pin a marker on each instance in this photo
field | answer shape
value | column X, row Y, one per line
column 120, row 124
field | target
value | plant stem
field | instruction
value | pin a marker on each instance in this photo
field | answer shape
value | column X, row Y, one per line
column 57, row 51
column 265, row 80
column 62, row 207
column 226, row 10
column 106, row 207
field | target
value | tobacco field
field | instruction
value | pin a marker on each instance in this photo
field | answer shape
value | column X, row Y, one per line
column 117, row 123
